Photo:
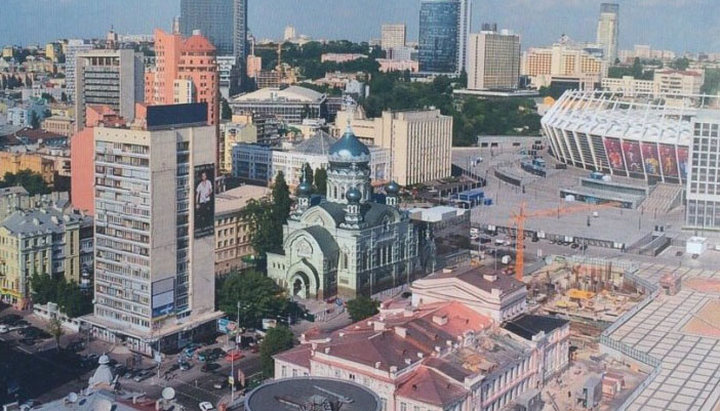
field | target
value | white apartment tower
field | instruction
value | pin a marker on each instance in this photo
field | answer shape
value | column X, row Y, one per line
column 154, row 229
column 493, row 61
column 607, row 30
column 72, row 49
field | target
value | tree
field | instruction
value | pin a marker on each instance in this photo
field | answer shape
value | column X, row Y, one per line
column 257, row 296
column 34, row 120
column 321, row 181
column 33, row 182
column 276, row 340
column 28, row 82
column 226, row 110
column 361, row 308
column 281, row 198
column 307, row 172
column 55, row 329
column 681, row 64
column 63, row 97
column 68, row 295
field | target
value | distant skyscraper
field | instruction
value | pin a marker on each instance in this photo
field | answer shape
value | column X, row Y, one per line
column 493, row 60
column 607, row 30
column 444, row 27
column 223, row 22
column 289, row 33
column 392, row 36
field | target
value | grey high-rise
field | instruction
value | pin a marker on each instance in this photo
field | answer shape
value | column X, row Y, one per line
column 608, row 30
column 444, row 28
column 223, row 22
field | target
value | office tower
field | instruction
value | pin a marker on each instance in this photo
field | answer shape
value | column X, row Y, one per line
column 154, row 232
column 185, row 72
column 493, row 60
column 114, row 78
column 72, row 49
column 392, row 36
column 223, row 22
column 703, row 187
column 607, row 30
column 444, row 27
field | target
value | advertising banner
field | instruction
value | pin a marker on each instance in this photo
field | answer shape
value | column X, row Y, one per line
column 650, row 156
column 683, row 164
column 633, row 157
column 614, row 154
column 163, row 297
column 668, row 160
column 204, row 200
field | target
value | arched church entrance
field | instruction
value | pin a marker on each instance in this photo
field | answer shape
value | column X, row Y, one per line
column 300, row 285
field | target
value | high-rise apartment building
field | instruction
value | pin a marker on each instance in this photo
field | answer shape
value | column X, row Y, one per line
column 393, row 36
column 444, row 29
column 72, row 49
column 563, row 61
column 154, row 232
column 114, row 78
column 493, row 61
column 186, row 71
column 608, row 30
column 223, row 22
column 703, row 186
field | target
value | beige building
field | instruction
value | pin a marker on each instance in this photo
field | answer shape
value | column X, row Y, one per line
column 43, row 241
column 686, row 82
column 154, row 230
column 561, row 61
column 629, row 86
column 232, row 233
column 493, row 61
column 393, row 35
column 232, row 133
column 420, row 142
column 59, row 125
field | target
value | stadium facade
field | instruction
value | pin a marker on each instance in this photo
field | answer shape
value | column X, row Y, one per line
column 645, row 138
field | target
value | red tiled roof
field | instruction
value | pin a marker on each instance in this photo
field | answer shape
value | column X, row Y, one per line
column 429, row 386
column 299, row 355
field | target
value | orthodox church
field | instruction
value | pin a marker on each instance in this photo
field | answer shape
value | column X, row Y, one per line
column 347, row 244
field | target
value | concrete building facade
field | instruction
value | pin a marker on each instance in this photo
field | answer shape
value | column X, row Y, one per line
column 420, row 142
column 154, row 230
column 232, row 233
column 561, row 61
column 608, row 31
column 291, row 104
column 393, row 36
column 703, row 188
column 72, row 48
column 114, row 78
column 493, row 61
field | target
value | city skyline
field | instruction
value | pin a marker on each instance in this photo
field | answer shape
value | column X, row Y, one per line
column 77, row 18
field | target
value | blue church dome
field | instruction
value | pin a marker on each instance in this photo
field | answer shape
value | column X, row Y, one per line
column 392, row 188
column 349, row 148
column 304, row 189
column 353, row 195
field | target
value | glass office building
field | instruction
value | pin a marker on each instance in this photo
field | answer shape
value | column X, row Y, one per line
column 223, row 22
column 444, row 27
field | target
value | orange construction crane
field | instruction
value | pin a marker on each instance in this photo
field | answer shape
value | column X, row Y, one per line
column 518, row 218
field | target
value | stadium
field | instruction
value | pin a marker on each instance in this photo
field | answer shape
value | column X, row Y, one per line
column 647, row 138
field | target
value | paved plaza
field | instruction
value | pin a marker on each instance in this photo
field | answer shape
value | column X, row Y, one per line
column 690, row 373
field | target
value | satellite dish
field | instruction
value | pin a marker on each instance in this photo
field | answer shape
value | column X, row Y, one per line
column 168, row 393
column 72, row 397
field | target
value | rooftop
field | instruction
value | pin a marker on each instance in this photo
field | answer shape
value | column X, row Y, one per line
column 480, row 278
column 235, row 199
column 320, row 143
column 42, row 220
column 528, row 325
column 292, row 94
column 312, row 393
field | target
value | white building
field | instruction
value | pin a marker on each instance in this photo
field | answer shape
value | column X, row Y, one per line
column 72, row 49
column 703, row 187
column 608, row 30
column 493, row 61
column 154, row 230
column 688, row 82
column 392, row 36
column 629, row 86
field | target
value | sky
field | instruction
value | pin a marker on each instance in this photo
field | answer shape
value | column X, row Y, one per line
column 678, row 25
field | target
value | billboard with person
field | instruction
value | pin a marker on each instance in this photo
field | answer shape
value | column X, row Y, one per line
column 668, row 160
column 204, row 200
column 614, row 154
column 650, row 158
column 683, row 165
column 633, row 157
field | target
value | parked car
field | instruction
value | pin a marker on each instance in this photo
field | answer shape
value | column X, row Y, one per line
column 233, row 355
column 129, row 374
column 190, row 349
column 4, row 328
column 220, row 384
column 210, row 366
column 10, row 319
column 28, row 341
column 184, row 366
column 206, row 406
column 142, row 376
